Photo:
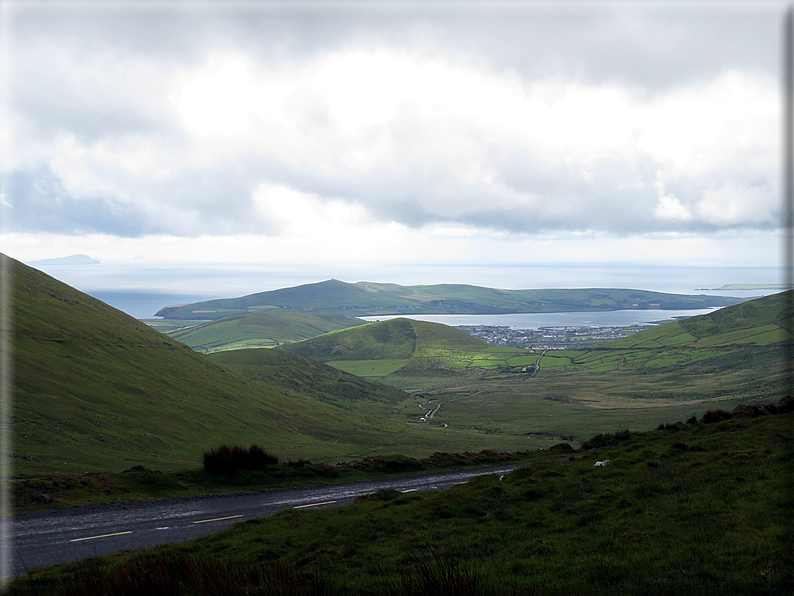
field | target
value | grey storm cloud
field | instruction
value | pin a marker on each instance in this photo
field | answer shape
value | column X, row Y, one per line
column 39, row 202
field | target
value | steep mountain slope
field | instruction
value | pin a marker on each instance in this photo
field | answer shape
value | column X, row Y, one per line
column 96, row 390
column 763, row 321
column 258, row 328
column 367, row 298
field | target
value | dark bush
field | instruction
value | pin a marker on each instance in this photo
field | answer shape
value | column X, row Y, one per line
column 605, row 440
column 784, row 406
column 561, row 448
column 228, row 461
column 716, row 416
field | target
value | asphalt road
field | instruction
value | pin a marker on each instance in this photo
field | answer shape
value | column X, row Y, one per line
column 62, row 535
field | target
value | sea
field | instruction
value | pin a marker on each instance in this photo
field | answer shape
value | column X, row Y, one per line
column 140, row 289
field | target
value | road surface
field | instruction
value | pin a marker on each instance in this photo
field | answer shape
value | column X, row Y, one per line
column 62, row 535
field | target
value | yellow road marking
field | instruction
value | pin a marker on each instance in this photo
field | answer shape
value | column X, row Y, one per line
column 102, row 536
column 204, row 521
column 314, row 504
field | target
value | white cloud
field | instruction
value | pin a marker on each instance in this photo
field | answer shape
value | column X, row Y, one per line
column 366, row 149
column 293, row 212
column 440, row 129
column 669, row 207
column 733, row 203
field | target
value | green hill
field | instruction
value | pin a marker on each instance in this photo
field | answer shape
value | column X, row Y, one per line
column 395, row 339
column 367, row 298
column 673, row 371
column 260, row 328
column 292, row 372
column 96, row 390
column 762, row 321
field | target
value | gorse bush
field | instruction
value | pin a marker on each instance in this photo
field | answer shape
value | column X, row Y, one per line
column 228, row 461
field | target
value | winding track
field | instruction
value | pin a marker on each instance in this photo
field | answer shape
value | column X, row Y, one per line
column 61, row 535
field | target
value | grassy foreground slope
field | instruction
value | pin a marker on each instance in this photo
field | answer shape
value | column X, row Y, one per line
column 96, row 390
column 367, row 298
column 260, row 328
column 697, row 508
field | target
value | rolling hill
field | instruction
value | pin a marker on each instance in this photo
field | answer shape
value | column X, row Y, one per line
column 367, row 298
column 395, row 342
column 325, row 383
column 96, row 390
column 672, row 371
column 757, row 323
column 260, row 328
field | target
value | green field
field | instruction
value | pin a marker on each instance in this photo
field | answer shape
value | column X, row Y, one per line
column 370, row 369
column 257, row 329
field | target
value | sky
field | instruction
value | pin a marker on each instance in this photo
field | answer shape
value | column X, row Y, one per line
column 359, row 136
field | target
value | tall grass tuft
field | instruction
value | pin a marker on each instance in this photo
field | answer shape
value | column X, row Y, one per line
column 228, row 461
column 164, row 573
column 430, row 574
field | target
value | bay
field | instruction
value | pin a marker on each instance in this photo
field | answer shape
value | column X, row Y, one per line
column 612, row 318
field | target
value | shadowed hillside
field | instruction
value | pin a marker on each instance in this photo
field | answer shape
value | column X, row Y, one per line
column 309, row 377
column 96, row 390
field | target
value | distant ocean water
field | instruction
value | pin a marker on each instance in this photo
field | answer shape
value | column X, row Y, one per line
column 141, row 289
column 143, row 305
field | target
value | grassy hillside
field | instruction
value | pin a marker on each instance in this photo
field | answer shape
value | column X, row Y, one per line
column 756, row 322
column 96, row 390
column 260, row 328
column 419, row 346
column 367, row 298
column 672, row 371
column 697, row 508
column 392, row 339
column 292, row 372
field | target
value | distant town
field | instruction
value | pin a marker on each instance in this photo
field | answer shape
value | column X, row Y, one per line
column 549, row 338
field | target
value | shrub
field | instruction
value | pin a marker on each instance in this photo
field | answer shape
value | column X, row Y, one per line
column 716, row 416
column 605, row 440
column 230, row 460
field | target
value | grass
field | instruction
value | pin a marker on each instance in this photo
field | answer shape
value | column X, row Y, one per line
column 97, row 391
column 696, row 508
column 259, row 328
column 370, row 369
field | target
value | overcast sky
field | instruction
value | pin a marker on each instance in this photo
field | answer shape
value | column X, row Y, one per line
column 375, row 133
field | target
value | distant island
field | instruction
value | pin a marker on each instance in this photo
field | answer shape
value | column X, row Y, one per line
column 749, row 287
column 70, row 260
